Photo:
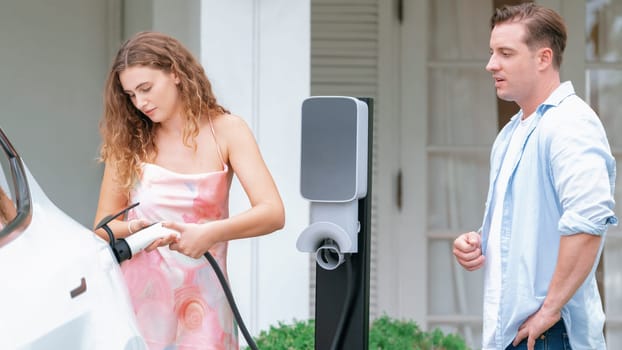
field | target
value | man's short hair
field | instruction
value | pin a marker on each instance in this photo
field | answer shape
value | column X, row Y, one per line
column 545, row 27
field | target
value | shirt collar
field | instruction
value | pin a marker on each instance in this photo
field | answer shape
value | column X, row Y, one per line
column 564, row 90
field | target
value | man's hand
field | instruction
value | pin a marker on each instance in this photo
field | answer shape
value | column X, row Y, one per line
column 535, row 326
column 576, row 257
column 468, row 251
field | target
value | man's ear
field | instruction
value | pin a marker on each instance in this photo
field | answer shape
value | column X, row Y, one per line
column 545, row 57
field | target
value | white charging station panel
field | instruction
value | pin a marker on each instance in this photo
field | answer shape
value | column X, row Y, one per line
column 333, row 175
column 334, row 149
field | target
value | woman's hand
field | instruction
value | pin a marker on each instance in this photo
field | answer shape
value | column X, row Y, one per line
column 163, row 242
column 194, row 240
column 135, row 225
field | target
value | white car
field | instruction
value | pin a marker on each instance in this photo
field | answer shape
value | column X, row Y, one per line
column 60, row 284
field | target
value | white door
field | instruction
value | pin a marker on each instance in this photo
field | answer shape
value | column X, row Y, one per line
column 600, row 61
column 448, row 123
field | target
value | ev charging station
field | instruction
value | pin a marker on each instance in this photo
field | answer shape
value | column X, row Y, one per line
column 336, row 178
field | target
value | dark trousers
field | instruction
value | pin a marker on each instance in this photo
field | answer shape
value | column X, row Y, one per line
column 555, row 338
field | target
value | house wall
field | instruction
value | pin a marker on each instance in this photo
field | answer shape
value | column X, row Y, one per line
column 256, row 54
column 52, row 73
column 181, row 19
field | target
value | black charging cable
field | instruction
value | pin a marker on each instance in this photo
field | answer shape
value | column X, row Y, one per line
column 346, row 312
column 119, row 247
column 231, row 300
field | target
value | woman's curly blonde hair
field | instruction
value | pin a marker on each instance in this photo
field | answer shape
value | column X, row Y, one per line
column 128, row 135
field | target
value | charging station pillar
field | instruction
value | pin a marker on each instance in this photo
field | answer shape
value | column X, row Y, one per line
column 331, row 292
column 342, row 283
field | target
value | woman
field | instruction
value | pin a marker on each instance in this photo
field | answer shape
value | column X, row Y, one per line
column 169, row 145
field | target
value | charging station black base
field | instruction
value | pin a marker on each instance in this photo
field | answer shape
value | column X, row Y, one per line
column 331, row 296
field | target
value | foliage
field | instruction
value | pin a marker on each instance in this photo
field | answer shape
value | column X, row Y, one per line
column 391, row 334
column 297, row 336
column 385, row 334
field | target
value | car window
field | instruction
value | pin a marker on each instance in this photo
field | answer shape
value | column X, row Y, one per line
column 7, row 205
column 15, row 200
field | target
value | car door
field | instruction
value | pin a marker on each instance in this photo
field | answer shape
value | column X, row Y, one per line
column 61, row 285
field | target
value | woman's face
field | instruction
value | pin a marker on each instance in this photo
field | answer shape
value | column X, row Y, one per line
column 153, row 91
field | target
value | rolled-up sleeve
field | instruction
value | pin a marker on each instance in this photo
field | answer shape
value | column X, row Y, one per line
column 583, row 172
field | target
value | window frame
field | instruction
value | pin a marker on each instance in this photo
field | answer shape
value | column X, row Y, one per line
column 21, row 190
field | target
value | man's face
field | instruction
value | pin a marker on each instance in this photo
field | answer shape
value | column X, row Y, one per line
column 512, row 64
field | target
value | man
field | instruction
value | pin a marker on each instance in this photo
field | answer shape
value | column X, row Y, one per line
column 550, row 197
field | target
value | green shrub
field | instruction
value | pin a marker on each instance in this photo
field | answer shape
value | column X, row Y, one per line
column 385, row 334
column 298, row 336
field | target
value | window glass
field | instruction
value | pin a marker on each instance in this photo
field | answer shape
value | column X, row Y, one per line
column 459, row 30
column 603, row 31
column 7, row 204
column 603, row 90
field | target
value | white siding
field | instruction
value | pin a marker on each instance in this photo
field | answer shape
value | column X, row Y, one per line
column 344, row 62
column 256, row 54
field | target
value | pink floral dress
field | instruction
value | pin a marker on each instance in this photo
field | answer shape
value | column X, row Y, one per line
column 178, row 300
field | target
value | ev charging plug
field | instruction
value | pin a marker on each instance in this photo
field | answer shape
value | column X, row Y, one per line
column 333, row 175
column 140, row 240
column 124, row 248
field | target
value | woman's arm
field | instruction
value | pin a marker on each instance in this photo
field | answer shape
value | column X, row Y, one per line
column 112, row 200
column 266, row 214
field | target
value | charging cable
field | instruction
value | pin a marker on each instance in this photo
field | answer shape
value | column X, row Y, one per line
column 346, row 312
column 231, row 300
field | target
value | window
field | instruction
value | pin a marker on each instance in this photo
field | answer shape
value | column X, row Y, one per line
column 7, row 205
column 14, row 194
column 603, row 86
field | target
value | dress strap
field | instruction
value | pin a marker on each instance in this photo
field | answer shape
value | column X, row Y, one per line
column 211, row 125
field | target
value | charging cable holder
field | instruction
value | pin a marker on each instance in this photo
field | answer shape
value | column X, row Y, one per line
column 332, row 233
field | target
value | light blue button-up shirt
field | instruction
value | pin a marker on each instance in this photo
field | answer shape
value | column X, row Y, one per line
column 561, row 184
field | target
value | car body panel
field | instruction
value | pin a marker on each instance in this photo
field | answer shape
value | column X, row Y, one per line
column 61, row 287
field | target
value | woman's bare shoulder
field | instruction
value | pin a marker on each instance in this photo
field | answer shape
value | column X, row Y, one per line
column 230, row 124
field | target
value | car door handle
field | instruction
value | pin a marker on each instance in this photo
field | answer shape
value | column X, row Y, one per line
column 79, row 290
